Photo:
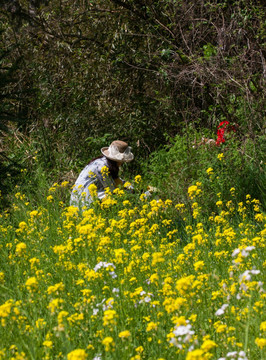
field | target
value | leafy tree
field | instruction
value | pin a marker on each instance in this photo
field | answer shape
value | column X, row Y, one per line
column 138, row 70
column 13, row 105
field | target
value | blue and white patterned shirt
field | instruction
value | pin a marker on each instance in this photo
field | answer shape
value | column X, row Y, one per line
column 91, row 174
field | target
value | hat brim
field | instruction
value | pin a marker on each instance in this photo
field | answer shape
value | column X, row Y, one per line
column 105, row 152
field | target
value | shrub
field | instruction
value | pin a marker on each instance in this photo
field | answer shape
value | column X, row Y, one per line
column 217, row 168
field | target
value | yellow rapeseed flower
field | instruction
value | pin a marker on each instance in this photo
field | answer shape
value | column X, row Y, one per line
column 157, row 257
column 220, row 156
column 137, row 179
column 197, row 354
column 139, row 349
column 209, row 171
column 263, row 326
column 55, row 288
column 193, row 191
column 184, row 285
column 93, row 190
column 260, row 342
column 32, row 283
column 124, row 334
column 108, row 343
column 151, row 326
column 109, row 317
column 33, row 213
column 259, row 217
column 55, row 304
column 5, row 309
column 48, row 344
column 21, row 248
column 199, row 265
column 78, row 354
column 208, row 345
column 64, row 183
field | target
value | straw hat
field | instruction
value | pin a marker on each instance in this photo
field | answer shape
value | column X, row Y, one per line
column 118, row 151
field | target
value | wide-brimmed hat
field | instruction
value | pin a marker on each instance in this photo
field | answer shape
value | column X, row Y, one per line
column 118, row 151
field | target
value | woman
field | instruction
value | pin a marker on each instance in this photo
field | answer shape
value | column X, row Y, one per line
column 102, row 171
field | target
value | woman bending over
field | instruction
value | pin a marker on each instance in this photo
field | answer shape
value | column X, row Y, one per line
column 102, row 171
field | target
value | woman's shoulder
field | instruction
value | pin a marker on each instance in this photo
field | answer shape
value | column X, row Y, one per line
column 102, row 161
column 97, row 164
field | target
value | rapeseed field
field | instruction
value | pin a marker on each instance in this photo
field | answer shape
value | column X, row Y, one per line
column 133, row 277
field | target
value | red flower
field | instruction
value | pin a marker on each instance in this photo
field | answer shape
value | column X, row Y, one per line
column 223, row 128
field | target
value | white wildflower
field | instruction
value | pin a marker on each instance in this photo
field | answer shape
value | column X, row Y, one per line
column 255, row 272
column 221, row 310
column 104, row 265
column 183, row 335
column 232, row 354
column 235, row 252
column 95, row 312
column 113, row 274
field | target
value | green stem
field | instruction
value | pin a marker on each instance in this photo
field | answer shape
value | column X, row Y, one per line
column 247, row 327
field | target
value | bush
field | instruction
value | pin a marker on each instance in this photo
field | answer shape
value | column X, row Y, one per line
column 182, row 163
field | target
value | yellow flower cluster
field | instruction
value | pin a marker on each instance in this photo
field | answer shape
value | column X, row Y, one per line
column 133, row 278
column 194, row 190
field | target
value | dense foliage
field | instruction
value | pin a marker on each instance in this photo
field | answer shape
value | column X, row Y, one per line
column 136, row 70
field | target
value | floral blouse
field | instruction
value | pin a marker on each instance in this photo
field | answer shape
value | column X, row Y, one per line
column 94, row 173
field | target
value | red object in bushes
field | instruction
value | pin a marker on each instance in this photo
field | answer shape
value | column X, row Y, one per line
column 223, row 127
